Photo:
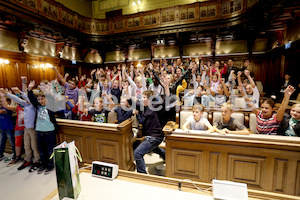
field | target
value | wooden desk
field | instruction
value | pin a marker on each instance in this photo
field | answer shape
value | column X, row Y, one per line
column 104, row 142
column 167, row 183
column 269, row 163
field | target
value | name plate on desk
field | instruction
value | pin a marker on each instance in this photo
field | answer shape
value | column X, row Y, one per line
column 104, row 170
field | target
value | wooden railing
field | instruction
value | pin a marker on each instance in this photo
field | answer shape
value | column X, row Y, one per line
column 177, row 15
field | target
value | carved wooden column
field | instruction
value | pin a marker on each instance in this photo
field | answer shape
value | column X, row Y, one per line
column 59, row 48
column 125, row 53
column 213, row 46
column 179, row 36
column 23, row 40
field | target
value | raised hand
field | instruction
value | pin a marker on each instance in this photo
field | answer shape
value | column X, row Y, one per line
column 200, row 56
column 93, row 71
column 240, row 88
column 67, row 75
column 239, row 73
column 24, row 79
column 2, row 93
column 16, row 90
column 247, row 73
column 31, row 85
column 191, row 65
column 135, row 112
column 289, row 90
column 150, row 66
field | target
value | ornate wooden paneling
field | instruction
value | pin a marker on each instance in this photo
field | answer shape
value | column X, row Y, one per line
column 214, row 163
column 35, row 73
column 67, row 17
column 208, row 11
column 89, row 149
column 49, row 8
column 187, row 163
column 297, row 188
column 264, row 162
column 107, row 151
column 151, row 19
column 23, row 64
column 11, row 75
column 103, row 142
column 246, row 169
column 169, row 16
column 84, row 24
column 280, row 172
column 133, row 22
column 231, row 6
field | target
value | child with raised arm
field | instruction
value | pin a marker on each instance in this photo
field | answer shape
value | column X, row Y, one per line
column 250, row 90
column 6, row 131
column 138, row 86
column 267, row 120
column 214, row 78
column 116, row 89
column 231, row 82
column 80, row 109
column 71, row 86
column 32, row 155
column 98, row 113
column 170, row 113
column 30, row 143
column 46, row 127
column 105, row 87
column 19, row 128
column 67, row 113
column 152, row 129
column 197, row 121
column 227, row 124
column 222, row 94
column 124, row 111
column 290, row 124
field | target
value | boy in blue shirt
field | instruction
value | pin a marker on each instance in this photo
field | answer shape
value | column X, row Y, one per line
column 7, row 130
column 45, row 127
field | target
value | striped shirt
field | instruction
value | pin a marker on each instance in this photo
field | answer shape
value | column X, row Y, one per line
column 267, row 126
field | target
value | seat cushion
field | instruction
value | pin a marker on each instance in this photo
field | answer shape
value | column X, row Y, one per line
column 238, row 116
column 185, row 114
column 252, row 122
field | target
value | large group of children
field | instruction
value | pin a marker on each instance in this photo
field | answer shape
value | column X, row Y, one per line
column 150, row 92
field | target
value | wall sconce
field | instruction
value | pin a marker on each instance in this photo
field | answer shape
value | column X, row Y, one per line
column 5, row 61
column 137, row 4
column 44, row 66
